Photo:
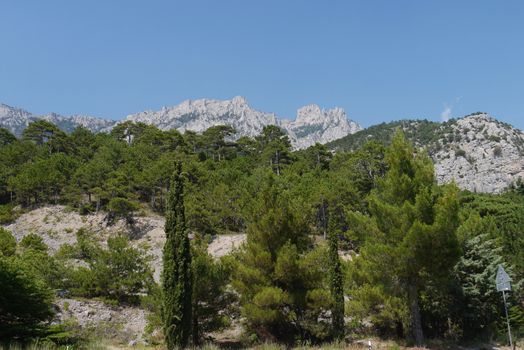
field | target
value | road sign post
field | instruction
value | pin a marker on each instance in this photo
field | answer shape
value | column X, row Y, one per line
column 503, row 283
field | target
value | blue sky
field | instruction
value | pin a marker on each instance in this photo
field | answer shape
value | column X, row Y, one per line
column 379, row 60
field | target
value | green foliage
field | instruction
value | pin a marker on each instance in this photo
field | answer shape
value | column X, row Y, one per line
column 280, row 279
column 7, row 214
column 7, row 243
column 6, row 137
column 177, row 276
column 25, row 300
column 336, row 282
column 382, row 203
column 120, row 273
column 412, row 246
column 274, row 147
column 476, row 270
column 419, row 132
column 33, row 241
column 122, row 207
column 213, row 299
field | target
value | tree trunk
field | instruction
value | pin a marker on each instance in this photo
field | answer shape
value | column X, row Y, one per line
column 324, row 219
column 195, row 332
column 416, row 322
column 277, row 161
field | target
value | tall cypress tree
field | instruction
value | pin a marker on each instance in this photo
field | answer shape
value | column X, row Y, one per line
column 336, row 281
column 177, row 273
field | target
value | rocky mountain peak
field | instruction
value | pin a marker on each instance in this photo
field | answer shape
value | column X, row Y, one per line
column 307, row 113
column 239, row 100
column 313, row 125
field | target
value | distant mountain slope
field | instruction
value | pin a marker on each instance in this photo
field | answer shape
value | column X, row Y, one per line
column 16, row 120
column 478, row 152
column 311, row 125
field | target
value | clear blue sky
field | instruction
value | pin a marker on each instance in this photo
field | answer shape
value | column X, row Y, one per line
column 380, row 60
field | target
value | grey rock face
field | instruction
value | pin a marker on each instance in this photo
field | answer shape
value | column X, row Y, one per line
column 485, row 155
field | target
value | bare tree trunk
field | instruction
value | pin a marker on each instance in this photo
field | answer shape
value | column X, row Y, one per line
column 416, row 322
column 324, row 221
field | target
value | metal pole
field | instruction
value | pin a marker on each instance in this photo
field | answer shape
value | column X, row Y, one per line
column 507, row 319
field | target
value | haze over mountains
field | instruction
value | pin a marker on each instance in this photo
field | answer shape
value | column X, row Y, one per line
column 311, row 125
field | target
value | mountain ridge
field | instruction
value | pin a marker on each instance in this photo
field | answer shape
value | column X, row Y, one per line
column 320, row 125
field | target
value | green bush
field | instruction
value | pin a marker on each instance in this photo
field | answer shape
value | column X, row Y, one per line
column 7, row 214
column 460, row 153
column 7, row 243
column 497, row 151
column 119, row 273
column 25, row 302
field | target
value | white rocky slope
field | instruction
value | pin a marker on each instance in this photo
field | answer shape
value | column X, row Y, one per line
column 480, row 154
column 311, row 125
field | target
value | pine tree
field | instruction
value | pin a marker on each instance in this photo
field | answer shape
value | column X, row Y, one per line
column 412, row 241
column 475, row 271
column 278, row 277
column 336, row 282
column 177, row 273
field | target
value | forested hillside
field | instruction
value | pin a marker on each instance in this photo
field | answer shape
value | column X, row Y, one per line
column 419, row 258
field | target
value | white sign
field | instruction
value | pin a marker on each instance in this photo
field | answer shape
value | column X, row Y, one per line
column 502, row 280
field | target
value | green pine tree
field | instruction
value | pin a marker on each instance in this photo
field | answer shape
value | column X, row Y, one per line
column 177, row 276
column 411, row 242
column 278, row 276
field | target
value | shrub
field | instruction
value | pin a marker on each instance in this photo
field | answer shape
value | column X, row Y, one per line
column 460, row 153
column 122, row 208
column 7, row 214
column 494, row 138
column 119, row 273
column 7, row 243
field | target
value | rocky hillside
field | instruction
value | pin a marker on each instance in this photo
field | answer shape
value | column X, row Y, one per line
column 478, row 152
column 481, row 154
column 311, row 125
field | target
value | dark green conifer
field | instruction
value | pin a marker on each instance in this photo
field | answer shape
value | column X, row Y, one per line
column 177, row 276
column 336, row 282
